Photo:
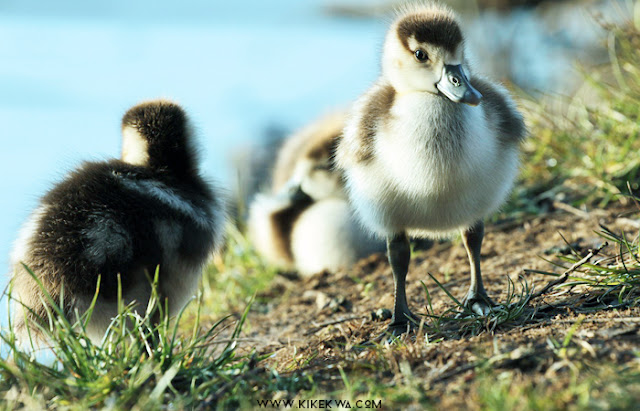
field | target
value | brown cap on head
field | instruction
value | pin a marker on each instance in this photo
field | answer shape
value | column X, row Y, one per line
column 157, row 134
column 430, row 24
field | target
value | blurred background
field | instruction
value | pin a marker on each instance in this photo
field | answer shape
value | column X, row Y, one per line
column 248, row 72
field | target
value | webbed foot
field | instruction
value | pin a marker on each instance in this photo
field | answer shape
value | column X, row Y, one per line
column 478, row 303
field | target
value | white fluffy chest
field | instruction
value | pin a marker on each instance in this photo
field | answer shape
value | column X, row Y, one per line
column 432, row 170
column 426, row 151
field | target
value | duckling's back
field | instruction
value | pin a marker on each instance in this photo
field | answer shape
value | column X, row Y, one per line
column 116, row 221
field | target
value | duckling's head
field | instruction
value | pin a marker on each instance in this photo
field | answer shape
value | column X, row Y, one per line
column 306, row 159
column 424, row 52
column 315, row 172
column 157, row 134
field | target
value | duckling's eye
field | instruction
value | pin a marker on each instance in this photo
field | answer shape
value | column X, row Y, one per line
column 421, row 55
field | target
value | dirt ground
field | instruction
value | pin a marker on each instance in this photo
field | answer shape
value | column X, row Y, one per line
column 320, row 323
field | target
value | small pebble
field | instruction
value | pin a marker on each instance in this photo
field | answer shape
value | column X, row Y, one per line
column 339, row 303
column 381, row 314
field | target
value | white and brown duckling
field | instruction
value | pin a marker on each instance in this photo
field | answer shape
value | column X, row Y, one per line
column 431, row 149
column 119, row 220
column 305, row 223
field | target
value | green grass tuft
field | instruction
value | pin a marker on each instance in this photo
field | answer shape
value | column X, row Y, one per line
column 614, row 278
column 236, row 276
column 139, row 363
column 584, row 149
column 460, row 320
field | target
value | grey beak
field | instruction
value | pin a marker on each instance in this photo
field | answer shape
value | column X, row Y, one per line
column 295, row 194
column 456, row 87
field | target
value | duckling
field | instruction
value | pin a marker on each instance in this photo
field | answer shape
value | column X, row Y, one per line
column 430, row 149
column 119, row 220
column 305, row 222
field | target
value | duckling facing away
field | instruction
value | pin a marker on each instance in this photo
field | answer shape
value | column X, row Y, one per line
column 119, row 220
column 418, row 162
column 305, row 223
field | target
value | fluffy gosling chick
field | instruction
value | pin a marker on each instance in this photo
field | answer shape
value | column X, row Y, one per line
column 305, row 223
column 119, row 220
column 431, row 148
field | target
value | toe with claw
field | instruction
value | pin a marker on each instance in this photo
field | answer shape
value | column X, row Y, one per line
column 478, row 303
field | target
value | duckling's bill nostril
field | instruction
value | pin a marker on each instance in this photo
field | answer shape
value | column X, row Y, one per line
column 456, row 87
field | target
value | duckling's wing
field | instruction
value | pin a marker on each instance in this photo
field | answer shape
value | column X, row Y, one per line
column 357, row 143
column 501, row 111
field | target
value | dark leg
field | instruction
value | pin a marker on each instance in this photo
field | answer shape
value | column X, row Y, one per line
column 476, row 299
column 399, row 252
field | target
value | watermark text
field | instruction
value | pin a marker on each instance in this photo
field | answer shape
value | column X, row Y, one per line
column 320, row 404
